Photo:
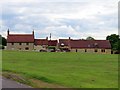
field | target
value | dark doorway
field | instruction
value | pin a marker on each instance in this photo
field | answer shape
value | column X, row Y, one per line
column 76, row 50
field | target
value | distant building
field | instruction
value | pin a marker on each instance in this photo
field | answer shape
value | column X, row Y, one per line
column 88, row 46
column 20, row 41
column 64, row 44
column 28, row 42
column 41, row 44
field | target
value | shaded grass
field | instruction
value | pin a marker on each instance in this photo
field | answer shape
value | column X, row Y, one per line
column 67, row 69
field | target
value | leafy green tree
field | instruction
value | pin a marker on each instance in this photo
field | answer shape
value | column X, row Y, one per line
column 115, row 41
column 3, row 41
column 90, row 38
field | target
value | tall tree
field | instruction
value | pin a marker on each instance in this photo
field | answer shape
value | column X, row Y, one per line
column 115, row 41
column 3, row 41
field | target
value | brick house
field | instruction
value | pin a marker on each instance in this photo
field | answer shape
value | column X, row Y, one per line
column 20, row 41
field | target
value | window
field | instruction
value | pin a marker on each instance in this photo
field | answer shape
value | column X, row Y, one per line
column 20, row 43
column 26, row 48
column 85, row 50
column 96, row 50
column 103, row 50
column 27, row 43
column 12, row 43
column 62, row 44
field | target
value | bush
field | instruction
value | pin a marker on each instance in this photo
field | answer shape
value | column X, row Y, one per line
column 2, row 47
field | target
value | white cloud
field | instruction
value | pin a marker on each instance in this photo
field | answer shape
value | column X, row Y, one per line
column 62, row 18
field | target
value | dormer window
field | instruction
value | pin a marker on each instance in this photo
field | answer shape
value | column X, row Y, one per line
column 62, row 44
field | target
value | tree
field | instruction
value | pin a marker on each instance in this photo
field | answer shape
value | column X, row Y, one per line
column 90, row 38
column 115, row 41
column 3, row 41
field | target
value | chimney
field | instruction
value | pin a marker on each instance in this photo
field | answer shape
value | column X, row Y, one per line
column 50, row 36
column 8, row 32
column 33, row 31
column 69, row 42
column 69, row 38
column 46, row 38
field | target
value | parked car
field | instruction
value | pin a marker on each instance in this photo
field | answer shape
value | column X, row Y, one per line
column 43, row 50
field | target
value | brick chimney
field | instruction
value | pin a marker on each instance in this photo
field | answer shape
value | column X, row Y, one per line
column 69, row 43
column 33, row 32
column 69, row 38
column 46, row 38
column 8, row 32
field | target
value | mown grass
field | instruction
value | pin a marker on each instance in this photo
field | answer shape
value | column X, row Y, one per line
column 74, row 70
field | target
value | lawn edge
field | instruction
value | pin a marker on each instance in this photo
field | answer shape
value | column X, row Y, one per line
column 35, row 83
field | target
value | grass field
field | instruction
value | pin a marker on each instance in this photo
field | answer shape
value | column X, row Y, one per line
column 74, row 70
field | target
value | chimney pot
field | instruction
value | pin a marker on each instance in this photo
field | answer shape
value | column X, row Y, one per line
column 8, row 32
column 69, row 37
column 46, row 38
column 33, row 32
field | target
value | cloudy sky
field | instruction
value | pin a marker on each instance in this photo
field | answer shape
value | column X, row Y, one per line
column 63, row 18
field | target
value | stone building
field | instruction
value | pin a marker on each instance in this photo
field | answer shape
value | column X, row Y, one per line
column 20, row 41
column 41, row 44
column 90, row 46
column 87, row 46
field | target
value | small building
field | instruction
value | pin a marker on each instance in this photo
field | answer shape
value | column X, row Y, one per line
column 64, row 44
column 20, row 41
column 41, row 44
column 52, row 45
column 90, row 46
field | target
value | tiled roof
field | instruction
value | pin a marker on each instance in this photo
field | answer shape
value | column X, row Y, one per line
column 41, row 42
column 20, row 38
column 52, row 42
column 90, row 44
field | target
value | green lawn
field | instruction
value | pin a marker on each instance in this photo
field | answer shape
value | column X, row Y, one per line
column 66, row 69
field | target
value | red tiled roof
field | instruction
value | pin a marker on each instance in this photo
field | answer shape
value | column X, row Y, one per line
column 64, row 41
column 52, row 42
column 90, row 44
column 20, row 38
column 41, row 42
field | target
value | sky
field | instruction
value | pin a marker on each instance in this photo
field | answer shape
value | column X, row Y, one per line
column 77, row 19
